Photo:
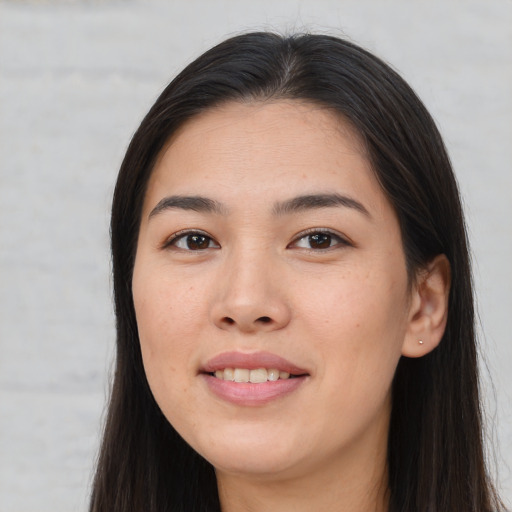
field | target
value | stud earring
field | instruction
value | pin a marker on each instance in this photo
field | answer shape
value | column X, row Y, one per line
column 420, row 342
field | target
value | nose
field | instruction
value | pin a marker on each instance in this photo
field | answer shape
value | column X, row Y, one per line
column 251, row 296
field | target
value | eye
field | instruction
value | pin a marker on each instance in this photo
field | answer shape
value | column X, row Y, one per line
column 192, row 241
column 319, row 240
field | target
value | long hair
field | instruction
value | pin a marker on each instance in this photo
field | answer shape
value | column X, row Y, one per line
column 436, row 459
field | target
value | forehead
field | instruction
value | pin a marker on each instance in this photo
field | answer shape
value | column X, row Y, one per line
column 260, row 116
column 264, row 149
column 267, row 124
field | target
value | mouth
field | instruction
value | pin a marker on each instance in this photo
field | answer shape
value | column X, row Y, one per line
column 255, row 376
column 252, row 379
column 255, row 367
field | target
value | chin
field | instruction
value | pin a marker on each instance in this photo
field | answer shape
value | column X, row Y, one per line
column 252, row 464
column 254, row 455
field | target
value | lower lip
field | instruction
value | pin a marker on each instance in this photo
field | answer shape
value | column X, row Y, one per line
column 249, row 394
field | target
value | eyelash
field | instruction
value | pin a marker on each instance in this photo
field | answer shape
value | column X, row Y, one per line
column 183, row 235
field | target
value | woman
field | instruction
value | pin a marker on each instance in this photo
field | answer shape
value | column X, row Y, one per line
column 293, row 295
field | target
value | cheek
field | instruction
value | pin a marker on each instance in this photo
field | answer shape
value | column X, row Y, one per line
column 166, row 308
column 359, row 322
column 166, row 334
column 356, row 301
column 167, row 322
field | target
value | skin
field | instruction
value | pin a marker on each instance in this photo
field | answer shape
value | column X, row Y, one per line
column 345, row 313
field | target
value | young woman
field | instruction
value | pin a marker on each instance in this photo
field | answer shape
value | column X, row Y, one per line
column 293, row 295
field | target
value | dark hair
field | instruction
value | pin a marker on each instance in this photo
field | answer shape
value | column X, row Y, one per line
column 436, row 457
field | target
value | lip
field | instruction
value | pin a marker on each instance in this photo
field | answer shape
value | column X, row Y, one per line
column 251, row 361
column 247, row 393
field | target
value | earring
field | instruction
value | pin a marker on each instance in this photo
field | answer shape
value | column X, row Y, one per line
column 420, row 342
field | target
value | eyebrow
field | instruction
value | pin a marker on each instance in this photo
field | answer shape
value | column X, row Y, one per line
column 297, row 204
column 314, row 201
column 194, row 203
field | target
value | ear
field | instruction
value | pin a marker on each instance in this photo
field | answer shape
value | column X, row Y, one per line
column 428, row 308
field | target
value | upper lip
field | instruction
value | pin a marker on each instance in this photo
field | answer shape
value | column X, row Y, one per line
column 251, row 361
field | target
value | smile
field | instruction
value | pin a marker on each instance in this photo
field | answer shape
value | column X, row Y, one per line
column 256, row 376
column 252, row 379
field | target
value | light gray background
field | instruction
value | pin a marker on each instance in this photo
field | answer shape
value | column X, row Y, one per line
column 75, row 79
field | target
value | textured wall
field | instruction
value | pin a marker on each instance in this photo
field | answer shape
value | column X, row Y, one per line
column 75, row 79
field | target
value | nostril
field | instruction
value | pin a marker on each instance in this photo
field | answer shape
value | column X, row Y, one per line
column 247, row 323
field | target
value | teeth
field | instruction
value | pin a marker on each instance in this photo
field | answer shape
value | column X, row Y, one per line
column 259, row 375
column 273, row 374
column 255, row 376
column 241, row 375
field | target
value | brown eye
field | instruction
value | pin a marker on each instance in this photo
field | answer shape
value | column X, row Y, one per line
column 193, row 242
column 320, row 241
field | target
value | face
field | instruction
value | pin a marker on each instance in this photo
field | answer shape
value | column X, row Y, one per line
column 267, row 248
